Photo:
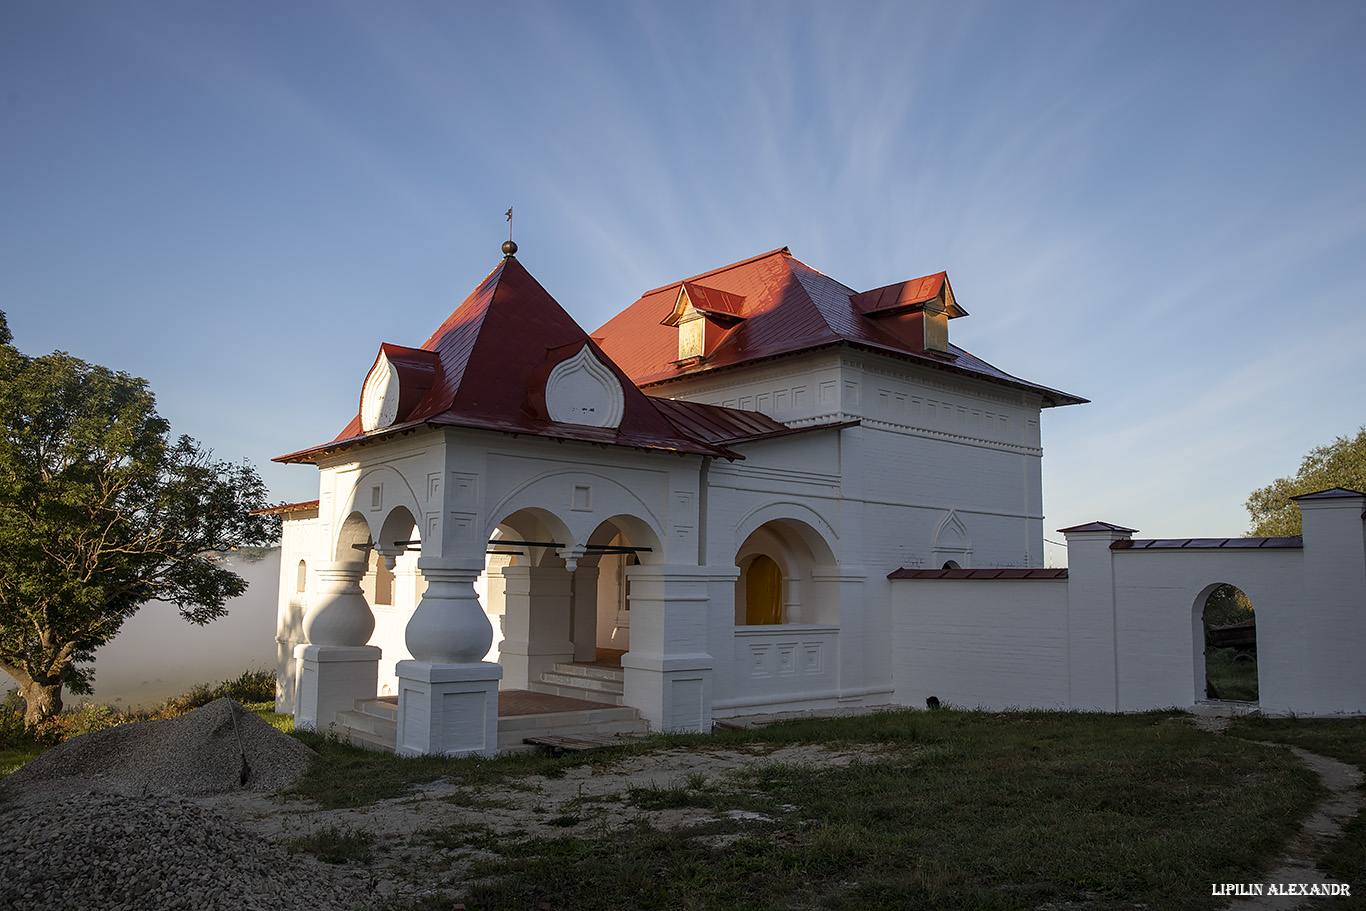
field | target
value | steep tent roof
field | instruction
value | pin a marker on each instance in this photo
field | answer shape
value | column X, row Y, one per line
column 488, row 369
column 779, row 305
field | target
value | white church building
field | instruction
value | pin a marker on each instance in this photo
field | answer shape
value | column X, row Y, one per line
column 753, row 490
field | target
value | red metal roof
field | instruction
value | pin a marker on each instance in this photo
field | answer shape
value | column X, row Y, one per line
column 493, row 354
column 714, row 301
column 986, row 573
column 787, row 307
column 723, row 426
column 904, row 295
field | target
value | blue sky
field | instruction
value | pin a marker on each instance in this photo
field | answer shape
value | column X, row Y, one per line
column 1158, row 206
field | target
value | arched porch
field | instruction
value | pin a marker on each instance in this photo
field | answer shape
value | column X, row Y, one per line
column 555, row 603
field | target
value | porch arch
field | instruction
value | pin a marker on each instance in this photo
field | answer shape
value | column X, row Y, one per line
column 580, row 499
column 550, row 602
column 353, row 534
column 376, row 492
column 805, row 522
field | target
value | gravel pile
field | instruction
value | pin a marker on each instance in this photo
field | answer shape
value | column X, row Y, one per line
column 196, row 753
column 120, row 853
column 108, row 820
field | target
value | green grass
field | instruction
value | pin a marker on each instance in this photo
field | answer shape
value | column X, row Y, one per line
column 962, row 810
column 335, row 845
column 946, row 809
column 1231, row 680
column 14, row 755
column 949, row 810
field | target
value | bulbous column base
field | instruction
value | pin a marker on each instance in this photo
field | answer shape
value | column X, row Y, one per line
column 338, row 613
column 449, row 625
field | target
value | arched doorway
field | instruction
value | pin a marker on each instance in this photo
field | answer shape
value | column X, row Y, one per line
column 1230, row 645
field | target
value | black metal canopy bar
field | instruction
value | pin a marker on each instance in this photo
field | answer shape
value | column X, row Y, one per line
column 503, row 542
column 370, row 544
column 595, row 548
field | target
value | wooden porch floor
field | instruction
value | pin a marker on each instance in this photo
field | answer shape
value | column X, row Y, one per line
column 513, row 703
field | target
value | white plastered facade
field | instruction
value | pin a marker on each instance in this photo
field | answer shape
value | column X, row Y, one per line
column 926, row 468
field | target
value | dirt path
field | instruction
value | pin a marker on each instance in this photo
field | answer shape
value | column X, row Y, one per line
column 1298, row 862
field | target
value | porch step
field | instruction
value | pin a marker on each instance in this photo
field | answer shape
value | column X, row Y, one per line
column 578, row 692
column 372, row 724
column 592, row 682
column 589, row 671
column 602, row 724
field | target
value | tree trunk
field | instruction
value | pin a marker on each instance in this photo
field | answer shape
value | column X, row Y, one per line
column 42, row 700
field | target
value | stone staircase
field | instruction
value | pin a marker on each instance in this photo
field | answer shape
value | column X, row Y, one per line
column 373, row 723
column 592, row 682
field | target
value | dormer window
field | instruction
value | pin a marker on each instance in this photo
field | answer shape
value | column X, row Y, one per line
column 703, row 317
column 916, row 312
column 692, row 332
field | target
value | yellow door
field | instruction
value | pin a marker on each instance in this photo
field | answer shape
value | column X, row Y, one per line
column 763, row 592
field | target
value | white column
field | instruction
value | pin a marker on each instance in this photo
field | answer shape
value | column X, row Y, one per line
column 536, row 629
column 447, row 695
column 1333, row 606
column 494, row 600
column 668, row 671
column 1091, row 657
column 585, row 613
column 335, row 667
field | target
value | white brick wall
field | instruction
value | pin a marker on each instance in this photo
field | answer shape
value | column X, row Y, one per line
column 1123, row 632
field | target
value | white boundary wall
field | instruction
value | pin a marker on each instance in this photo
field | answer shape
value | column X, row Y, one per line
column 1122, row 632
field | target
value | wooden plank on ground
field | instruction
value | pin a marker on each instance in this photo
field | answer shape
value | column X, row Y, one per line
column 578, row 743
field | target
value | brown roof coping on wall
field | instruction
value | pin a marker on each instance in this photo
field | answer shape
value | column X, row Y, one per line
column 1294, row 541
column 985, row 573
column 1332, row 493
column 1099, row 526
column 285, row 509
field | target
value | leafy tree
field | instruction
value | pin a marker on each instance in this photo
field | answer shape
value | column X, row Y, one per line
column 100, row 512
column 1226, row 605
column 1341, row 463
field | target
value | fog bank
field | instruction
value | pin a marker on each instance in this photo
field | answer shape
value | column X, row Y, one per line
column 157, row 655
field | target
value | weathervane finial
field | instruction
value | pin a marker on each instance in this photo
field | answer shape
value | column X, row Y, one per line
column 509, row 248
